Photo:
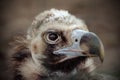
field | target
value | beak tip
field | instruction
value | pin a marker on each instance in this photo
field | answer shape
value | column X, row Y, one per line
column 102, row 53
column 101, row 59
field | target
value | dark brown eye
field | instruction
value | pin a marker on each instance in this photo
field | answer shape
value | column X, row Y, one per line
column 52, row 37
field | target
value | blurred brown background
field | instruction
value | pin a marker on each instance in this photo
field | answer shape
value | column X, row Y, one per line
column 101, row 16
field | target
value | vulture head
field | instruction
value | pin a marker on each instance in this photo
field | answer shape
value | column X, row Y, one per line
column 60, row 43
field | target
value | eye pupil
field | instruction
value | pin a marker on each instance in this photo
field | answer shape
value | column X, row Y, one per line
column 53, row 36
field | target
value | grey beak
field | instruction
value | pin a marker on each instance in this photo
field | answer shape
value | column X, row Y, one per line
column 84, row 43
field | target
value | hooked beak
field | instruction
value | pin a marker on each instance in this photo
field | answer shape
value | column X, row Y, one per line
column 84, row 43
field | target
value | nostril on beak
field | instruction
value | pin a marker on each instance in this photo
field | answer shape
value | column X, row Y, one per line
column 76, row 40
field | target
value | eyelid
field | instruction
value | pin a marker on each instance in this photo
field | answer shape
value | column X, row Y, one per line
column 53, row 31
column 49, row 31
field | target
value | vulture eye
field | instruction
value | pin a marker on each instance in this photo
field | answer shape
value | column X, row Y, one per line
column 52, row 37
